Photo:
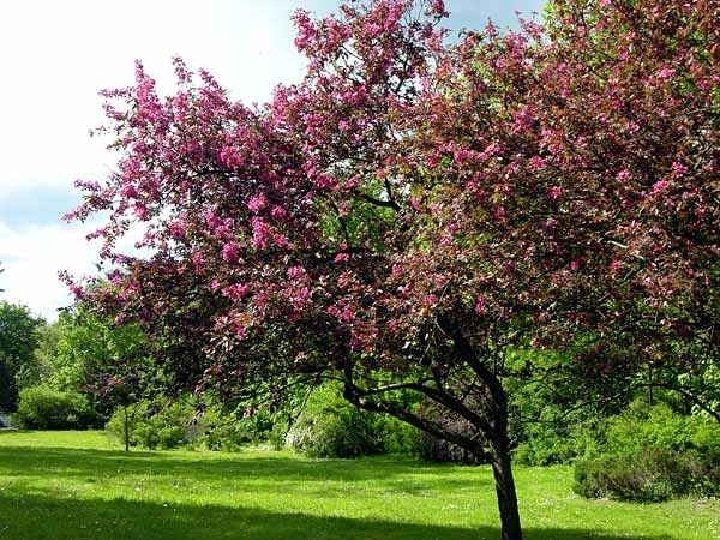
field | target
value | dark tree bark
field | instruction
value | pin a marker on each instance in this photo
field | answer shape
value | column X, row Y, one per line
column 506, row 494
column 488, row 418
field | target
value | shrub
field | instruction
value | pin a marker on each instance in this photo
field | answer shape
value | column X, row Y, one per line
column 400, row 437
column 651, row 454
column 649, row 475
column 177, row 423
column 548, row 445
column 331, row 427
column 638, row 426
column 42, row 408
column 431, row 448
column 641, row 426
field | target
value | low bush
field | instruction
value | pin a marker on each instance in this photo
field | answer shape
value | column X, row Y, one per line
column 329, row 426
column 432, row 449
column 649, row 475
column 41, row 408
column 638, row 427
column 177, row 423
column 641, row 426
column 548, row 445
column 651, row 454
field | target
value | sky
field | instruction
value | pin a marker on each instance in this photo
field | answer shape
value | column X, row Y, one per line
column 56, row 56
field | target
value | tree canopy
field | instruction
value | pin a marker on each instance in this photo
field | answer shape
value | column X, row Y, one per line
column 417, row 206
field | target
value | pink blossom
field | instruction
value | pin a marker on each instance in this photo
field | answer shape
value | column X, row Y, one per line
column 537, row 163
column 198, row 260
column 280, row 240
column 128, row 191
column 660, row 186
column 438, row 7
column 261, row 233
column 342, row 313
column 666, row 73
column 241, row 331
column 345, row 279
column 257, row 203
column 556, row 192
column 178, row 229
column 236, row 292
column 77, row 291
column 679, row 169
column 550, row 224
column 499, row 213
column 353, row 182
column 480, row 306
column 296, row 272
column 141, row 212
column 325, row 181
column 624, row 175
column 230, row 157
column 299, row 297
column 278, row 213
column 261, row 299
column 433, row 160
column 231, row 252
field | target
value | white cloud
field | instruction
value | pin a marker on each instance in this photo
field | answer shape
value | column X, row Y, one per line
column 33, row 256
column 57, row 55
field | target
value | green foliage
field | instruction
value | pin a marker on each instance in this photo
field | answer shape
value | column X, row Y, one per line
column 552, row 421
column 660, row 427
column 83, row 345
column 649, row 475
column 183, row 422
column 330, row 427
column 87, row 353
column 563, row 437
column 547, row 446
column 651, row 454
column 19, row 333
column 43, row 408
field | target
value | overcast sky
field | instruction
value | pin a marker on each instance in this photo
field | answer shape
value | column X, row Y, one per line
column 55, row 56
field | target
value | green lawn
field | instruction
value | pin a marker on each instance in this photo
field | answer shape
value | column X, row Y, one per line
column 80, row 486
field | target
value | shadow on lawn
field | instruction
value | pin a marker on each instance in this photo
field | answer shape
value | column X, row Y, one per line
column 39, row 517
column 70, row 462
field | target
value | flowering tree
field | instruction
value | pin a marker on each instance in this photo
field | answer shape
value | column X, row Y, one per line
column 414, row 208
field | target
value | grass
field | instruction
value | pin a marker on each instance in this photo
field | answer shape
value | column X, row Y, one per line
column 81, row 486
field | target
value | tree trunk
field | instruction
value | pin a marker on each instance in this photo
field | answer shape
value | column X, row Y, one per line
column 506, row 494
column 127, row 435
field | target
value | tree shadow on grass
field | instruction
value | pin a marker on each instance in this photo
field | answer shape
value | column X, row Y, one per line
column 38, row 517
column 72, row 463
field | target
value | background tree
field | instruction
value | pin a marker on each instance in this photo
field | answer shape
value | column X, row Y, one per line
column 19, row 334
column 413, row 211
column 111, row 364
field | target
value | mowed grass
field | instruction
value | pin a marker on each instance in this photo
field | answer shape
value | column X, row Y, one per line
column 81, row 486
